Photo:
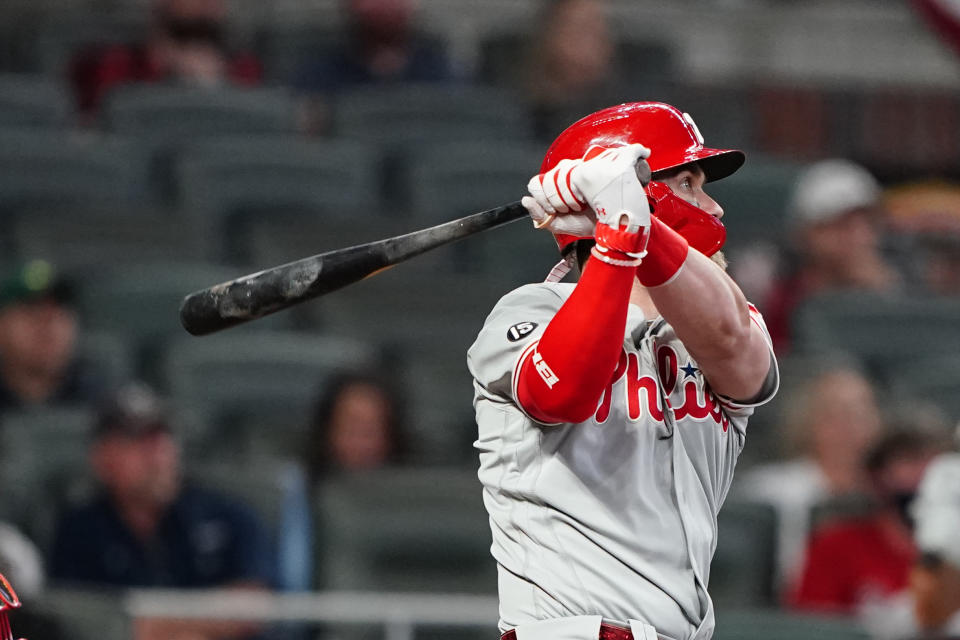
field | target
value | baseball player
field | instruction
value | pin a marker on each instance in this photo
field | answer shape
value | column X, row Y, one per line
column 611, row 412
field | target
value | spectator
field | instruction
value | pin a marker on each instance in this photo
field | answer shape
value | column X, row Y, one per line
column 935, row 579
column 38, row 341
column 186, row 44
column 836, row 215
column 831, row 423
column 146, row 527
column 926, row 215
column 382, row 46
column 855, row 563
column 357, row 426
column 571, row 71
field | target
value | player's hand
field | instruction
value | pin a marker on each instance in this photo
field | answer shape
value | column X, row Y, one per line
column 556, row 204
column 607, row 177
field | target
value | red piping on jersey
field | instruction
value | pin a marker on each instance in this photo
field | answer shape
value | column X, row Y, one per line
column 580, row 347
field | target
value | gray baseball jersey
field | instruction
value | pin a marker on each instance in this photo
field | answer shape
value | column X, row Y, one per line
column 615, row 516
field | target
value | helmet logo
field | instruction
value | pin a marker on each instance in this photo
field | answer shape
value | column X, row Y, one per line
column 693, row 125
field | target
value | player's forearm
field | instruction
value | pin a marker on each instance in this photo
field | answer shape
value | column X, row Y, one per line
column 711, row 317
column 563, row 378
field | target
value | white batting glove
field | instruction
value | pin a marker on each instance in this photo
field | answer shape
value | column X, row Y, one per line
column 555, row 203
column 607, row 178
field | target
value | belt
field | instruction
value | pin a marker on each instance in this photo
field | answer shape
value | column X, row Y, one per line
column 607, row 632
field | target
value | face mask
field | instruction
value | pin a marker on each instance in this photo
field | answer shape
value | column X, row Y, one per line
column 194, row 30
column 901, row 500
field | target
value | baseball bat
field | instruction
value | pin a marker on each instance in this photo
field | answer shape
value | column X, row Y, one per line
column 259, row 294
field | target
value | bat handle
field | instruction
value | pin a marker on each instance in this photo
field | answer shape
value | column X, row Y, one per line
column 643, row 172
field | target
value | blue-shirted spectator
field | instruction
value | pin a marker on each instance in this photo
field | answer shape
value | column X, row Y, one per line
column 146, row 527
column 381, row 46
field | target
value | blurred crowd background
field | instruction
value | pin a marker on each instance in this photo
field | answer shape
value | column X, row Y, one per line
column 149, row 148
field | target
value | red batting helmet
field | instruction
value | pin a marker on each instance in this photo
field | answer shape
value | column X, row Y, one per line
column 673, row 140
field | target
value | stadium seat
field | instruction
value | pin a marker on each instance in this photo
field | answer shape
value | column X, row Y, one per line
column 231, row 183
column 763, row 625
column 85, row 614
column 931, row 378
column 32, row 101
column 248, row 384
column 170, row 114
column 47, row 167
column 109, row 355
column 59, row 39
column 883, row 331
column 83, row 236
column 447, row 180
column 142, row 301
column 44, row 453
column 404, row 529
column 410, row 114
column 742, row 572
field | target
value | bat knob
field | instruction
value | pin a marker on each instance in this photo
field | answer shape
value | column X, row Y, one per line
column 643, row 172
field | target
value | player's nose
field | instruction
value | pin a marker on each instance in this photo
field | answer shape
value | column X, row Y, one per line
column 710, row 205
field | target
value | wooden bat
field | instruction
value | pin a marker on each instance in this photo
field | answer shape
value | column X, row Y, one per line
column 259, row 294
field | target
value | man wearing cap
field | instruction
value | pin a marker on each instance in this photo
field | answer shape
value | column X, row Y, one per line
column 38, row 340
column 835, row 214
column 146, row 527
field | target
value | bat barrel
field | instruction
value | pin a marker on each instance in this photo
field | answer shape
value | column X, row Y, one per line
column 259, row 294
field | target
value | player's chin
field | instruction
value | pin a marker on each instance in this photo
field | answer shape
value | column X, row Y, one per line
column 720, row 260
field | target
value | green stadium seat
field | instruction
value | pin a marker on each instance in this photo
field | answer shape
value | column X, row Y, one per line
column 930, row 378
column 404, row 529
column 742, row 571
column 882, row 331
column 63, row 35
column 43, row 166
column 142, row 301
column 88, row 236
column 447, row 180
column 86, row 614
column 33, row 101
column 229, row 184
column 109, row 355
column 44, row 453
column 766, row 624
column 407, row 115
column 174, row 115
column 250, row 383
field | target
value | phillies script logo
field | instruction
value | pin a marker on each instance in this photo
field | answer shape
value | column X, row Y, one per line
column 643, row 396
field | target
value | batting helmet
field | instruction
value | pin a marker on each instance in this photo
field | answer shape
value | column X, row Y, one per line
column 673, row 140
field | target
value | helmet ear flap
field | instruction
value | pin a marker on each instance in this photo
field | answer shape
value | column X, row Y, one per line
column 704, row 232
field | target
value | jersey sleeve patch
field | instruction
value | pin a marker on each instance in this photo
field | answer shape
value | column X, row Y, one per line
column 520, row 331
column 517, row 321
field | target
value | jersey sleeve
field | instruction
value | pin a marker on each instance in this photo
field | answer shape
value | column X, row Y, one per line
column 770, row 385
column 516, row 323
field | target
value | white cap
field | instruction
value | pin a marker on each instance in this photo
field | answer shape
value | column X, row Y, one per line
column 830, row 188
column 936, row 509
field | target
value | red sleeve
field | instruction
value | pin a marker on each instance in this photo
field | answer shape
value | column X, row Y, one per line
column 824, row 585
column 561, row 377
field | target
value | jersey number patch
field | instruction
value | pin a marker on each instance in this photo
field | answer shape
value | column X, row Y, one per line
column 520, row 330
